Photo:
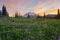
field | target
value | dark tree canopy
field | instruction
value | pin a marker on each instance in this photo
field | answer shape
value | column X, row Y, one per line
column 4, row 11
column 0, row 13
column 44, row 15
column 58, row 15
column 38, row 16
column 16, row 14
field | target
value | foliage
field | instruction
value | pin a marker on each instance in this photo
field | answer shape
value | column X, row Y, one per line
column 29, row 29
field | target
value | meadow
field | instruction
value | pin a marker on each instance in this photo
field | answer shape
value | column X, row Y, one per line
column 29, row 29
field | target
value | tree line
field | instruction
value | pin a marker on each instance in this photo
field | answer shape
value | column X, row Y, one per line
column 4, row 13
column 55, row 17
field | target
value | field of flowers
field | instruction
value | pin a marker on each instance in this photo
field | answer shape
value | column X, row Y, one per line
column 29, row 29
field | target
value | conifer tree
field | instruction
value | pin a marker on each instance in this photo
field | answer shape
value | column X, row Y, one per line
column 4, row 11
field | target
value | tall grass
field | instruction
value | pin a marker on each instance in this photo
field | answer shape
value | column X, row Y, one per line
column 29, row 29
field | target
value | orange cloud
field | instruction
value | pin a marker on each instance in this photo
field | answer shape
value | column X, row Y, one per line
column 14, row 5
column 38, row 8
column 51, row 11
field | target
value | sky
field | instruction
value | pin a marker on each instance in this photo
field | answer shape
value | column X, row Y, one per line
column 25, row 6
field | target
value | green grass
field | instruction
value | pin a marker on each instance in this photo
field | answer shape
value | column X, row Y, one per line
column 29, row 29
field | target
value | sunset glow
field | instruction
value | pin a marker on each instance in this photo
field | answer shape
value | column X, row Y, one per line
column 25, row 6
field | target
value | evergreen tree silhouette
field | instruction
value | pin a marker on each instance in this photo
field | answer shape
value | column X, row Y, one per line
column 0, row 13
column 28, row 16
column 58, row 15
column 16, row 14
column 58, row 12
column 38, row 16
column 4, row 11
column 44, row 15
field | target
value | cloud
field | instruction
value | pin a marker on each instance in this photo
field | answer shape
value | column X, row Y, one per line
column 13, row 5
column 44, row 6
column 38, row 8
